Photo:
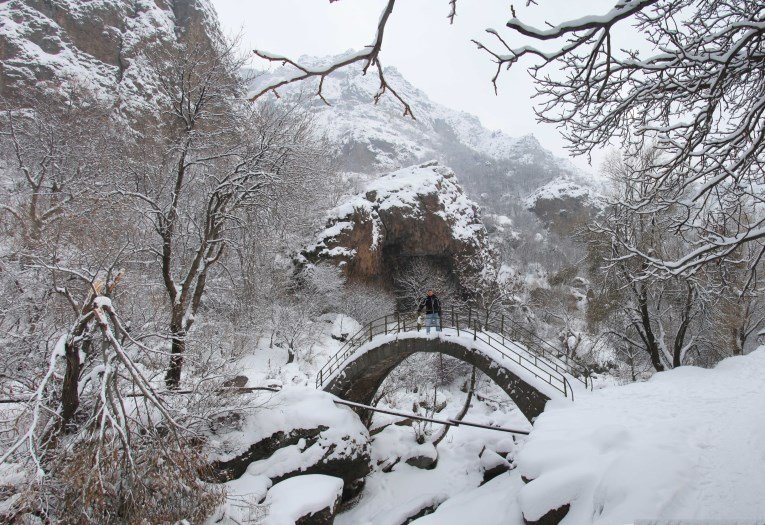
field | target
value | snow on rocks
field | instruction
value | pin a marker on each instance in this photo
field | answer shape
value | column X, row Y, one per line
column 97, row 45
column 686, row 444
column 494, row 503
column 397, row 444
column 493, row 464
column 416, row 211
column 564, row 203
column 299, row 430
column 304, row 500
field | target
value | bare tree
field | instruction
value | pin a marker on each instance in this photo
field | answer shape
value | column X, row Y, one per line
column 419, row 276
column 49, row 160
column 222, row 156
column 654, row 314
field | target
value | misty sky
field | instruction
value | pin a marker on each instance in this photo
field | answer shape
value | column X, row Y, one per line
column 433, row 55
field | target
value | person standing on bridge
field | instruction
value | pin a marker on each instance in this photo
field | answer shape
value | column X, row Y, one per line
column 432, row 307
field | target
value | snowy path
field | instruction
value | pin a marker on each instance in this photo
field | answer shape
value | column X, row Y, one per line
column 686, row 444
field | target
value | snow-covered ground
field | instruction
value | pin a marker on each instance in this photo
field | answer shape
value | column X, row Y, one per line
column 390, row 498
column 686, row 444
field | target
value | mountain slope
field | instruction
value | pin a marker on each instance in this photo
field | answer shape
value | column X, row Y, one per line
column 48, row 49
column 377, row 137
column 497, row 171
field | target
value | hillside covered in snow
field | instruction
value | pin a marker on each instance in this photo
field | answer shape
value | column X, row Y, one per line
column 375, row 138
column 55, row 49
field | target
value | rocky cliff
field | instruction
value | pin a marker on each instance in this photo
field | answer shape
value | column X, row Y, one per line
column 50, row 47
column 420, row 211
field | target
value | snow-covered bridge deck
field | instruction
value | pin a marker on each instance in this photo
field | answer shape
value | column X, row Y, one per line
column 528, row 371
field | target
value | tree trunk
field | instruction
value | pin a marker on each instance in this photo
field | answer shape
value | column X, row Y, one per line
column 70, row 396
column 173, row 376
column 652, row 347
column 462, row 413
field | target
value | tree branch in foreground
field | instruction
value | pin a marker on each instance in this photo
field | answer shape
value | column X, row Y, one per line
column 369, row 55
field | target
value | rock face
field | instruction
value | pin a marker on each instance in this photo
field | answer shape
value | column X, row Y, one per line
column 419, row 211
column 564, row 205
column 48, row 48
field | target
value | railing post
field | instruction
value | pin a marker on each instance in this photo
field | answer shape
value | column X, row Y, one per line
column 321, row 377
column 475, row 330
column 452, row 316
column 370, row 330
column 398, row 322
column 386, row 325
column 458, row 325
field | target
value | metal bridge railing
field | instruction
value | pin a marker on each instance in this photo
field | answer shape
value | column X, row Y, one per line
column 506, row 337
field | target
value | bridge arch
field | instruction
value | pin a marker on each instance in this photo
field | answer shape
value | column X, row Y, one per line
column 361, row 376
column 523, row 365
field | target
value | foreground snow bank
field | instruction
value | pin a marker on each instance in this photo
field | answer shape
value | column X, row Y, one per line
column 303, row 496
column 494, row 503
column 686, row 444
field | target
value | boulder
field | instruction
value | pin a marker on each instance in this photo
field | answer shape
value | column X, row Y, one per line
column 493, row 464
column 415, row 212
column 424, row 461
column 552, row 517
column 304, row 500
column 395, row 444
column 564, row 205
column 300, row 431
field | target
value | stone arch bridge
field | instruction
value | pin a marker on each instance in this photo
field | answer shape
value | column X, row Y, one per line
column 526, row 367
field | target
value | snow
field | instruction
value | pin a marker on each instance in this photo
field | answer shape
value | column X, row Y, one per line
column 390, row 498
column 398, row 442
column 404, row 190
column 686, row 444
column 102, row 302
column 300, row 496
column 55, row 52
column 344, row 326
column 243, row 498
column 352, row 120
column 560, row 188
column 494, row 503
column 295, row 407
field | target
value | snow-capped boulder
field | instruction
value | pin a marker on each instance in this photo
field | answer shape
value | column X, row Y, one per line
column 299, row 431
column 493, row 464
column 304, row 500
column 397, row 444
column 420, row 211
column 563, row 205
